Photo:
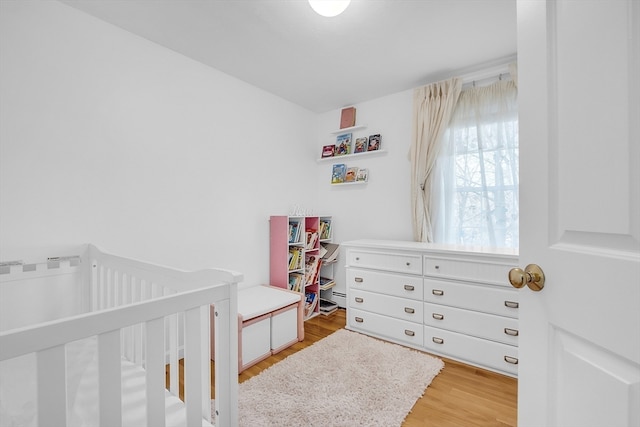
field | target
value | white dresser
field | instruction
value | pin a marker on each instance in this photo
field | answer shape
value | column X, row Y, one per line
column 446, row 300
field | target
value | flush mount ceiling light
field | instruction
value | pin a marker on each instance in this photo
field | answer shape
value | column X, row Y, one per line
column 329, row 8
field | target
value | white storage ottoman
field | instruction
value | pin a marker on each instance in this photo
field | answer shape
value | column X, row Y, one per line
column 270, row 319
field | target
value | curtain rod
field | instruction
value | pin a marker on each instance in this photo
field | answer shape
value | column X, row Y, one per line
column 484, row 74
column 491, row 69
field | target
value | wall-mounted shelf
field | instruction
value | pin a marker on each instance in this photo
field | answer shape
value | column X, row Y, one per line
column 349, row 183
column 349, row 129
column 352, row 156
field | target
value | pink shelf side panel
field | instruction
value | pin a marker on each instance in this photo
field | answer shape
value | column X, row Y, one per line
column 279, row 251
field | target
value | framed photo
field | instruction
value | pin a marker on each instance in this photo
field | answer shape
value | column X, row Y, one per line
column 360, row 145
column 343, row 144
column 348, row 117
column 374, row 142
column 328, row 150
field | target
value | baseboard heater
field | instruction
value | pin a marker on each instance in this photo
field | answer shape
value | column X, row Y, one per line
column 340, row 298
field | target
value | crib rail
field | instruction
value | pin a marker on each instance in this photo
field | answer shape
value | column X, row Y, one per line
column 171, row 278
column 134, row 304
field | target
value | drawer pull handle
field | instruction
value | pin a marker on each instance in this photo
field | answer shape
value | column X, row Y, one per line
column 409, row 287
column 437, row 340
column 408, row 263
column 359, row 319
column 357, row 258
column 437, row 267
column 512, row 360
column 358, row 299
column 437, row 316
column 511, row 304
column 358, row 280
column 512, row 332
column 409, row 333
column 438, row 292
column 409, row 310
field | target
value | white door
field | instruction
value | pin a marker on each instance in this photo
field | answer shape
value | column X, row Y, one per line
column 579, row 103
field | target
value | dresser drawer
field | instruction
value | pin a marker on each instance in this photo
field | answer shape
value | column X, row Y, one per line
column 387, row 327
column 398, row 285
column 476, row 271
column 400, row 308
column 479, row 352
column 400, row 262
column 487, row 299
column 481, row 325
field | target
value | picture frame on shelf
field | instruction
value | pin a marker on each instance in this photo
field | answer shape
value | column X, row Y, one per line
column 362, row 175
column 339, row 173
column 348, row 117
column 328, row 150
column 343, row 144
column 374, row 142
column 361, row 145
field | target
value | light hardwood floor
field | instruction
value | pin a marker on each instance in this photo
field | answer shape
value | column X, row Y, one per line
column 461, row 395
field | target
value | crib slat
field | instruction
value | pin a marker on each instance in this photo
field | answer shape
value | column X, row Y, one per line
column 93, row 284
column 192, row 361
column 205, row 362
column 51, row 385
column 174, row 368
column 138, row 338
column 128, row 333
column 226, row 355
column 155, row 372
column 109, row 379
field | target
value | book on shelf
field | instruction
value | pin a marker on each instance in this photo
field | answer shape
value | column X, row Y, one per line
column 328, row 150
column 327, row 306
column 361, row 145
column 296, row 282
column 312, row 268
column 326, row 283
column 338, row 173
column 332, row 251
column 325, row 229
column 322, row 251
column 350, row 176
column 294, row 231
column 363, row 175
column 311, row 300
column 343, row 144
column 295, row 258
column 348, row 117
column 374, row 142
column 312, row 239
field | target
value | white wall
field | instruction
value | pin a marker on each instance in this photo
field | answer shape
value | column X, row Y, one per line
column 380, row 209
column 110, row 139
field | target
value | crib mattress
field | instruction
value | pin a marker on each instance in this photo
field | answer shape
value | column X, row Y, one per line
column 18, row 391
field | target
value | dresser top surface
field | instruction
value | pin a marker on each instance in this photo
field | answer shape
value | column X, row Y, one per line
column 423, row 247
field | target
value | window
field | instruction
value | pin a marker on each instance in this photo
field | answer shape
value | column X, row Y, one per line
column 477, row 192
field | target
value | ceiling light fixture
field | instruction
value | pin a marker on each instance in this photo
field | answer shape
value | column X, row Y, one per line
column 329, row 8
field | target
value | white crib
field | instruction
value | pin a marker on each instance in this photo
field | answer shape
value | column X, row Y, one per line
column 86, row 337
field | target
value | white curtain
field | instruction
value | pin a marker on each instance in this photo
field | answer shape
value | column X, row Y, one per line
column 432, row 108
column 477, row 173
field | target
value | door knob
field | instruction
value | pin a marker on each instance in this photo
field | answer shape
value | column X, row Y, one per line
column 532, row 276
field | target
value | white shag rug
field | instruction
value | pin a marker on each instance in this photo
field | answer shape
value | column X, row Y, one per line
column 345, row 379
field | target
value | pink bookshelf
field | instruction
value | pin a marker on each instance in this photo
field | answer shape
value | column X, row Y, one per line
column 290, row 234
